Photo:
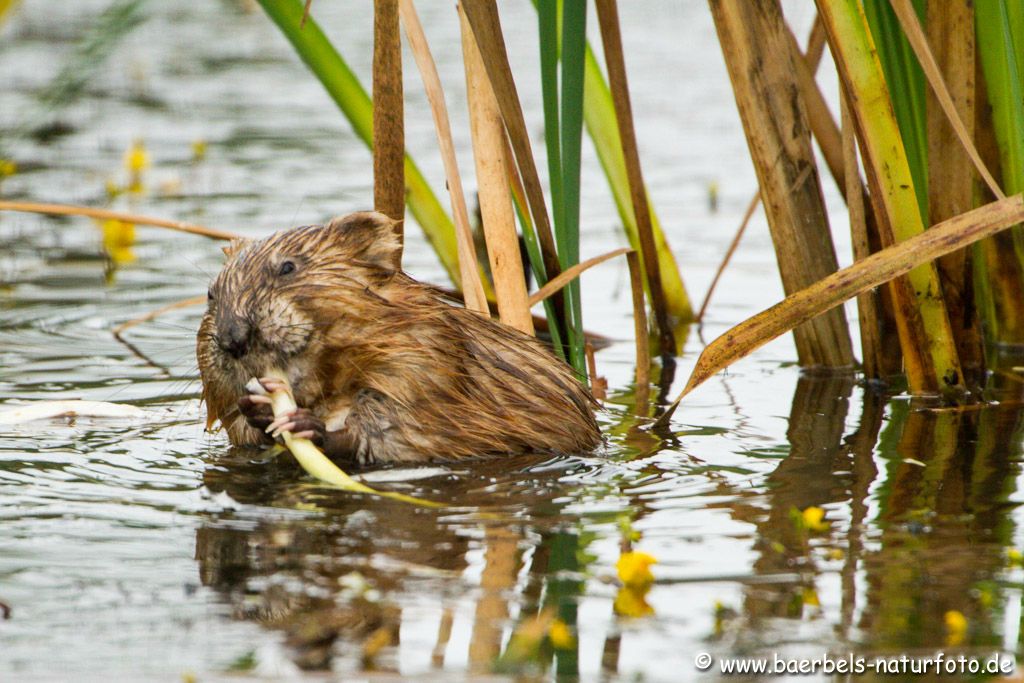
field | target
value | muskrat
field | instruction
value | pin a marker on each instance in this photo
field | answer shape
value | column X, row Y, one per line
column 383, row 368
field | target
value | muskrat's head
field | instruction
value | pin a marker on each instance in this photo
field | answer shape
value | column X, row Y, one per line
column 270, row 301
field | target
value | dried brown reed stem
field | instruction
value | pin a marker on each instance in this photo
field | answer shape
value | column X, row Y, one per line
column 476, row 299
column 759, row 59
column 490, row 151
column 482, row 16
column 105, row 214
column 643, row 349
column 598, row 384
column 951, row 175
column 747, row 215
column 611, row 38
column 388, row 114
column 812, row 59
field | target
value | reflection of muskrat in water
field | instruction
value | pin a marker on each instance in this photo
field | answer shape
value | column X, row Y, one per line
column 383, row 369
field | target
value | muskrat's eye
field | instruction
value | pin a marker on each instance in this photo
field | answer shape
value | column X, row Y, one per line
column 209, row 295
column 287, row 268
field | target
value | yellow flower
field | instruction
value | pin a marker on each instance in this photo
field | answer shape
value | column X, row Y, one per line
column 632, row 603
column 198, row 150
column 136, row 158
column 956, row 627
column 1014, row 557
column 560, row 635
column 634, row 569
column 810, row 598
column 112, row 188
column 814, row 519
column 118, row 239
column 7, row 168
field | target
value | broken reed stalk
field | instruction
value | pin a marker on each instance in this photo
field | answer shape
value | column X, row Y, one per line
column 611, row 38
column 598, row 384
column 388, row 115
column 926, row 338
column 643, row 345
column 878, row 268
column 497, row 215
column 105, row 214
column 476, row 299
column 754, row 41
column 482, row 16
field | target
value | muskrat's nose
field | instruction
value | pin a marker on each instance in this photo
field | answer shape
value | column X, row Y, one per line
column 234, row 338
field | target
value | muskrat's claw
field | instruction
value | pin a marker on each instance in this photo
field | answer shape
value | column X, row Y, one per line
column 301, row 423
column 257, row 410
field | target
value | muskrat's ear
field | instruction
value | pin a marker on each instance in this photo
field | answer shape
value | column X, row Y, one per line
column 236, row 245
column 371, row 237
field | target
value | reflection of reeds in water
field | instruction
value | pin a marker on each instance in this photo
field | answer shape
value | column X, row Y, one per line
column 918, row 524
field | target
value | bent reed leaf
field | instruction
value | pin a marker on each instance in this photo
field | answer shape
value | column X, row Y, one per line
column 876, row 269
column 570, row 274
column 908, row 20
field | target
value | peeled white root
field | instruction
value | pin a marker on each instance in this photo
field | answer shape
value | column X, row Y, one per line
column 43, row 410
column 305, row 451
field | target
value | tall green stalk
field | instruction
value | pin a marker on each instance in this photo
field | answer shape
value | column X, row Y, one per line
column 563, row 24
column 1000, row 47
column 602, row 127
column 574, row 44
column 1000, row 27
column 907, row 85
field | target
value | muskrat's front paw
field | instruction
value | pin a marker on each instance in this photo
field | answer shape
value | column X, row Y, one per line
column 302, row 424
column 257, row 410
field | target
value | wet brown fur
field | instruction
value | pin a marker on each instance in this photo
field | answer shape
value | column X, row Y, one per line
column 389, row 362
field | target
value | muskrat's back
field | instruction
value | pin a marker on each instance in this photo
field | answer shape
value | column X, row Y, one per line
column 382, row 363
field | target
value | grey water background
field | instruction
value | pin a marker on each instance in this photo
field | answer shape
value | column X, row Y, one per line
column 150, row 550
